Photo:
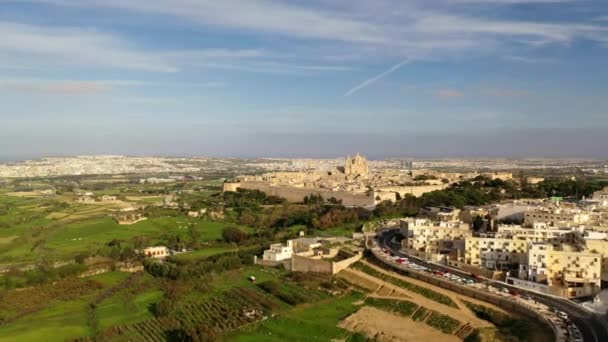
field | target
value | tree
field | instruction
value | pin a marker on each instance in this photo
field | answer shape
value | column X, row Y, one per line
column 477, row 223
column 234, row 235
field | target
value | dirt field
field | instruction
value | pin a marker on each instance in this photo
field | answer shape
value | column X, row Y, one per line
column 384, row 326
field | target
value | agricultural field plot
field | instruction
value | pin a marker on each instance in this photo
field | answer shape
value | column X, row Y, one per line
column 204, row 252
column 60, row 311
column 212, row 317
column 314, row 322
column 240, row 277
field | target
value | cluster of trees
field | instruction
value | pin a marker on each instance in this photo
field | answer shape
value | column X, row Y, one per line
column 317, row 213
column 234, row 235
column 42, row 273
column 482, row 190
column 244, row 198
column 317, row 216
column 564, row 188
column 173, row 268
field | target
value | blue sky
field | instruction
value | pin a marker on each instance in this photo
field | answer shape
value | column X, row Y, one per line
column 434, row 78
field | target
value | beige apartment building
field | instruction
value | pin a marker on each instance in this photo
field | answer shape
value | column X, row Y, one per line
column 495, row 253
column 601, row 248
column 569, row 271
column 432, row 237
column 577, row 272
column 540, row 232
column 556, row 216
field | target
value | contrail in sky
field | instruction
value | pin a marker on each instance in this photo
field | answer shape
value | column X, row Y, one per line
column 376, row 78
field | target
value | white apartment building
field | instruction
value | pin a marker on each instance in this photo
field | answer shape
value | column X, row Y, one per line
column 277, row 252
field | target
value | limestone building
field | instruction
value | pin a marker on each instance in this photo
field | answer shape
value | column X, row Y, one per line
column 356, row 167
column 432, row 237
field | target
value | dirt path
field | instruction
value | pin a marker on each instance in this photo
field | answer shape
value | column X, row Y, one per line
column 463, row 315
column 385, row 326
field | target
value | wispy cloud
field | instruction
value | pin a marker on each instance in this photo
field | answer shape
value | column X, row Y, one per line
column 84, row 87
column 259, row 15
column 68, row 46
column 376, row 78
column 561, row 33
column 60, row 87
column 531, row 60
column 449, row 93
column 508, row 2
column 385, row 29
column 505, row 92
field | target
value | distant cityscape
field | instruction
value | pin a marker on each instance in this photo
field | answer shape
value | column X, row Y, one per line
column 114, row 165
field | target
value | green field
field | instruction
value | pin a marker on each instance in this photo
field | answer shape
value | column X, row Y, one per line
column 316, row 322
column 27, row 233
column 63, row 320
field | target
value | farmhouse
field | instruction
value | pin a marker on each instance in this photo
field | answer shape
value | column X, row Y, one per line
column 156, row 252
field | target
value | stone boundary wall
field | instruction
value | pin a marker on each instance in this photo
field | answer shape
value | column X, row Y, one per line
column 505, row 304
column 340, row 265
column 297, row 194
column 306, row 264
column 475, row 270
column 533, row 286
column 415, row 190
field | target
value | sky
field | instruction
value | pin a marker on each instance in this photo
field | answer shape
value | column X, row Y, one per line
column 304, row 78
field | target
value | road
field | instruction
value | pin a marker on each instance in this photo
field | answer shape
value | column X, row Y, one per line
column 593, row 327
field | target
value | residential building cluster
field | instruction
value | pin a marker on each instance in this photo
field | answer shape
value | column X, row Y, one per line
column 557, row 248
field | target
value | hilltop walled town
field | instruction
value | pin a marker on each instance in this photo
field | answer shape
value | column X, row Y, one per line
column 353, row 184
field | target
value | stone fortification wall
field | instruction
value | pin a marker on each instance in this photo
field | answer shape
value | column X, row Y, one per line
column 296, row 194
column 306, row 264
column 415, row 190
column 340, row 265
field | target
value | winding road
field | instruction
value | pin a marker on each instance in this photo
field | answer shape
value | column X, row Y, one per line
column 593, row 327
